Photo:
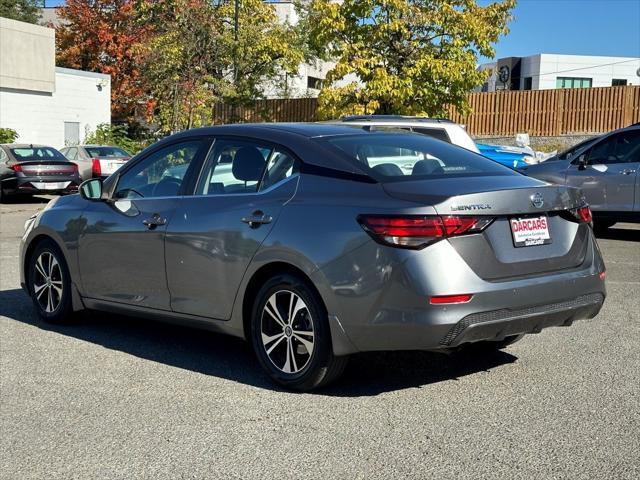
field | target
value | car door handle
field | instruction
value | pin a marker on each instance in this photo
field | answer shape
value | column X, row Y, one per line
column 627, row 171
column 257, row 218
column 155, row 221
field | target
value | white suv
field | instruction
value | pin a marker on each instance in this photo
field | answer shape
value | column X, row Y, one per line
column 439, row 128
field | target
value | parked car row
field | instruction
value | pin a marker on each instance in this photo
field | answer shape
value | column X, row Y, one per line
column 28, row 169
column 606, row 168
column 607, row 171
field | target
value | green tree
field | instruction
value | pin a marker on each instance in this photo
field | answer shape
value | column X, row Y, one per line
column 8, row 135
column 99, row 36
column 116, row 135
column 410, row 57
column 182, row 60
column 23, row 10
column 198, row 55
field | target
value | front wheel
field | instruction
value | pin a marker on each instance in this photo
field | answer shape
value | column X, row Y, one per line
column 50, row 283
column 291, row 337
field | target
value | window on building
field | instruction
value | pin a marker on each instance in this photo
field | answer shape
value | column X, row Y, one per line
column 71, row 133
column 314, row 82
column 618, row 82
column 528, row 83
column 573, row 82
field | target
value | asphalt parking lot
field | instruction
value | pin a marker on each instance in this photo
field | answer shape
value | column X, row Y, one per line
column 116, row 397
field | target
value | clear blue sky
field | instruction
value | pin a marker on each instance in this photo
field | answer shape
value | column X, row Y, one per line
column 581, row 27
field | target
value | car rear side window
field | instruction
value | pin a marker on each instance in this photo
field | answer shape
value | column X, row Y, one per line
column 71, row 153
column 397, row 157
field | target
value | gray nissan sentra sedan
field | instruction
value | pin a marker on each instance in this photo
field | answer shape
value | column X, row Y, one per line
column 314, row 242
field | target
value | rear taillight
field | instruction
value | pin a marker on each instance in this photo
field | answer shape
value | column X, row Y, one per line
column 16, row 168
column 580, row 214
column 418, row 231
column 75, row 167
column 584, row 214
column 96, row 170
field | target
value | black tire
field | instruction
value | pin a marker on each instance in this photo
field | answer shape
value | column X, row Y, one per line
column 59, row 278
column 321, row 366
column 492, row 346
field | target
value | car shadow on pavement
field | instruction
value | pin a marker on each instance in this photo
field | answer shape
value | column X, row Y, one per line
column 26, row 199
column 623, row 234
column 367, row 374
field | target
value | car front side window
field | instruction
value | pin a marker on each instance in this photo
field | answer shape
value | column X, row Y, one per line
column 628, row 147
column 161, row 174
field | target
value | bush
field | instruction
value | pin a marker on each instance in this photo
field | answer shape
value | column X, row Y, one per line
column 8, row 135
column 116, row 135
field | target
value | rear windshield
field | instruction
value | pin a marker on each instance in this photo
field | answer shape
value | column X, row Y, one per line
column 37, row 153
column 106, row 152
column 389, row 157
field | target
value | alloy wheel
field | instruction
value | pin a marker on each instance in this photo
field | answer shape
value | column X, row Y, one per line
column 287, row 332
column 47, row 282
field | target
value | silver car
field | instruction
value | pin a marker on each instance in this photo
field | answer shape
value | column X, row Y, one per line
column 606, row 169
column 283, row 234
column 96, row 160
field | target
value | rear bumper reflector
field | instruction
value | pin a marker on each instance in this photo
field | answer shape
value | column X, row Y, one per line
column 447, row 299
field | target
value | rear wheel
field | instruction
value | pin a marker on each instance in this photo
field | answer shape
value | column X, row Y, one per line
column 290, row 335
column 50, row 283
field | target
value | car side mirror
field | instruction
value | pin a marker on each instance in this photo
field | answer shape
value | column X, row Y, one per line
column 582, row 162
column 91, row 189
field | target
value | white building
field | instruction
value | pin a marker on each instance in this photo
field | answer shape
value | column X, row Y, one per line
column 308, row 81
column 45, row 104
column 546, row 71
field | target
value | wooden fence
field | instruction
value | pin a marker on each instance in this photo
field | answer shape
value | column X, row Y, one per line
column 551, row 112
column 537, row 112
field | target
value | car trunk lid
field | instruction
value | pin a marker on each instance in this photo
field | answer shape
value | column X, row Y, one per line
column 495, row 253
column 50, row 168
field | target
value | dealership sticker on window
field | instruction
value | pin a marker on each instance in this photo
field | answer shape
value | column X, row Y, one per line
column 530, row 231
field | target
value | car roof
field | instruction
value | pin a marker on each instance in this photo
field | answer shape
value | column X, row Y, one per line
column 25, row 145
column 394, row 118
column 93, row 145
column 309, row 130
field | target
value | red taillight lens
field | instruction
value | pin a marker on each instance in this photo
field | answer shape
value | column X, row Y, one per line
column 405, row 226
column 417, row 231
column 584, row 214
column 444, row 299
column 96, row 170
column 16, row 168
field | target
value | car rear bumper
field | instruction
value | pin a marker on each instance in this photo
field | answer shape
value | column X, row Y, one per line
column 498, row 324
column 42, row 184
column 389, row 307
